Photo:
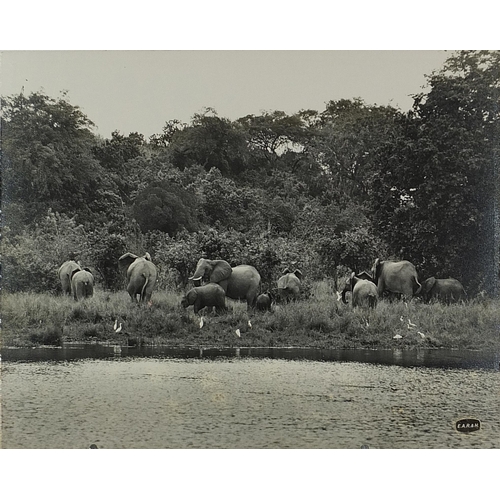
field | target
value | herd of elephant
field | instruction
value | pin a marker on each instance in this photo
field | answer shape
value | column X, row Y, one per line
column 243, row 282
column 399, row 279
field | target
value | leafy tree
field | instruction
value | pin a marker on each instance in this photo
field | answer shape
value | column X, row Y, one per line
column 165, row 207
column 349, row 144
column 210, row 141
column 271, row 134
column 439, row 199
column 228, row 204
column 105, row 248
column 115, row 157
column 48, row 162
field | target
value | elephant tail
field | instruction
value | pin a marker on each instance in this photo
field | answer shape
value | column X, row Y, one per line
column 146, row 280
column 372, row 300
column 417, row 287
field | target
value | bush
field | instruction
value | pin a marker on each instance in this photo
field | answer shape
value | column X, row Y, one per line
column 32, row 257
column 105, row 248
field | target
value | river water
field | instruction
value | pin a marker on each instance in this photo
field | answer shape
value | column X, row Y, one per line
column 247, row 398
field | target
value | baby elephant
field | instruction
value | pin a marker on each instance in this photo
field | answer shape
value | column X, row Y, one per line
column 447, row 290
column 82, row 284
column 263, row 302
column 364, row 292
column 210, row 295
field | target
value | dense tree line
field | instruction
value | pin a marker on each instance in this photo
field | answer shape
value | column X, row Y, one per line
column 326, row 191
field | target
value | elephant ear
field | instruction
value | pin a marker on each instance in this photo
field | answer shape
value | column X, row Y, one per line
column 298, row 273
column 87, row 269
column 220, row 272
column 74, row 272
column 376, row 270
column 285, row 271
column 364, row 275
column 283, row 282
column 191, row 295
column 125, row 260
column 353, row 280
column 201, row 267
column 428, row 284
column 147, row 256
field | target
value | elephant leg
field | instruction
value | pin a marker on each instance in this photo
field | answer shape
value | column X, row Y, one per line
column 196, row 306
column 147, row 295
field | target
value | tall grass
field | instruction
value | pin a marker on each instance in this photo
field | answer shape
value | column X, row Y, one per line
column 319, row 321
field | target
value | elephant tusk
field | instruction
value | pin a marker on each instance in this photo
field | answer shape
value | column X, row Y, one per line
column 195, row 279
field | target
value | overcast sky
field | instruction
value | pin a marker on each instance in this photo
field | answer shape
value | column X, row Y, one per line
column 138, row 91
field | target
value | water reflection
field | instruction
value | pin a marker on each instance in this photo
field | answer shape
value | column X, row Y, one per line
column 241, row 398
column 436, row 358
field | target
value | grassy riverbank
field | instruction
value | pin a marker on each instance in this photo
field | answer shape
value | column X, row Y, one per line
column 320, row 321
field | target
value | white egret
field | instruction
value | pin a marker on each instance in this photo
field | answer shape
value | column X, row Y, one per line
column 115, row 326
column 238, row 333
column 201, row 322
column 397, row 336
column 119, row 329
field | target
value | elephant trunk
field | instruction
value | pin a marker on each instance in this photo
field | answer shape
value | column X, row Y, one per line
column 344, row 291
column 198, row 274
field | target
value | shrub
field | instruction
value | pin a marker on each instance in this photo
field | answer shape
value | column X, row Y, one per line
column 32, row 257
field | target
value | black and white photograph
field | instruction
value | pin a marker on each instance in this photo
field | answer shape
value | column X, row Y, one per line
column 250, row 249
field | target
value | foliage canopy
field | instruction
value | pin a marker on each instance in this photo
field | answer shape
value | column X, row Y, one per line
column 326, row 191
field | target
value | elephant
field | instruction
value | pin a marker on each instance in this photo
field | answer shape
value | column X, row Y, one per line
column 82, row 283
column 447, row 290
column 141, row 276
column 363, row 275
column 240, row 282
column 289, row 285
column 209, row 295
column 364, row 292
column 263, row 302
column 396, row 277
column 64, row 273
